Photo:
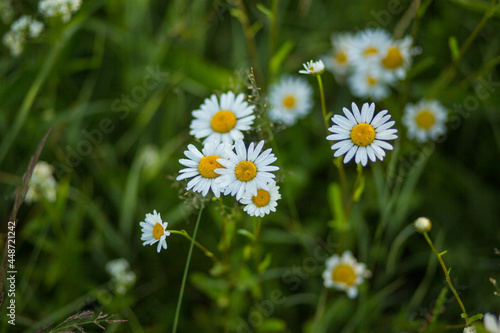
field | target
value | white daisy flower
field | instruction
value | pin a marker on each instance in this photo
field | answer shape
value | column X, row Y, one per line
column 264, row 202
column 369, row 83
column 396, row 58
column 338, row 61
column 246, row 171
column 154, row 230
column 313, row 67
column 367, row 46
column 491, row 323
column 224, row 121
column 201, row 166
column 291, row 98
column 345, row 273
column 42, row 184
column 425, row 120
column 362, row 135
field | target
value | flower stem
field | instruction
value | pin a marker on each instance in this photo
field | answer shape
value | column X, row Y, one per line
column 323, row 107
column 446, row 273
column 256, row 231
column 183, row 284
column 201, row 247
column 354, row 189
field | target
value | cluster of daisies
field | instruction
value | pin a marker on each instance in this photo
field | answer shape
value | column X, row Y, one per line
column 26, row 28
column 371, row 61
column 225, row 164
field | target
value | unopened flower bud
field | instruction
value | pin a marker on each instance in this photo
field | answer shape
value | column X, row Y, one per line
column 422, row 224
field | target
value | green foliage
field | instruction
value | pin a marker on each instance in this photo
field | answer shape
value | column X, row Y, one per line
column 117, row 84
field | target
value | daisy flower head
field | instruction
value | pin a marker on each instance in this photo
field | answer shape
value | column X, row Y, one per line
column 338, row 61
column 396, row 58
column 345, row 273
column 154, row 230
column 425, row 120
column 361, row 135
column 246, row 170
column 200, row 167
column 264, row 202
column 313, row 67
column 291, row 99
column 491, row 323
column 222, row 121
column 367, row 46
column 370, row 83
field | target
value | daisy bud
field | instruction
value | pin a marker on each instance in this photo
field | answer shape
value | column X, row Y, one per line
column 422, row 224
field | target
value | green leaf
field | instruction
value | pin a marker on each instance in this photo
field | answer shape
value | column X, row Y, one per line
column 265, row 263
column 214, row 288
column 443, row 253
column 475, row 317
column 272, row 325
column 335, row 200
column 266, row 11
column 454, row 48
column 279, row 56
column 246, row 233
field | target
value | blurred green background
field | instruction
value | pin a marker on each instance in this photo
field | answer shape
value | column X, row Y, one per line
column 93, row 69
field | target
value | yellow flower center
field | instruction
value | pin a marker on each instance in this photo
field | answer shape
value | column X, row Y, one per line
column 246, row 171
column 425, row 119
column 393, row 59
column 207, row 166
column 262, row 198
column 158, row 231
column 344, row 274
column 363, row 134
column 311, row 68
column 341, row 57
column 370, row 51
column 289, row 102
column 223, row 121
column 371, row 80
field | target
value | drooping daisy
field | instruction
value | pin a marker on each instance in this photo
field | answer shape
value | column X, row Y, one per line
column 369, row 83
column 491, row 323
column 396, row 58
column 345, row 273
column 291, row 98
column 368, row 45
column 313, row 67
column 201, row 166
column 264, row 202
column 425, row 120
column 154, row 230
column 338, row 61
column 224, row 121
column 247, row 170
column 361, row 135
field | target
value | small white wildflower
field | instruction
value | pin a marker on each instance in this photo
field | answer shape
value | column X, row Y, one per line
column 345, row 273
column 59, row 8
column 121, row 275
column 291, row 98
column 425, row 120
column 338, row 61
column 154, row 230
column 42, row 184
column 313, row 67
column 264, row 202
